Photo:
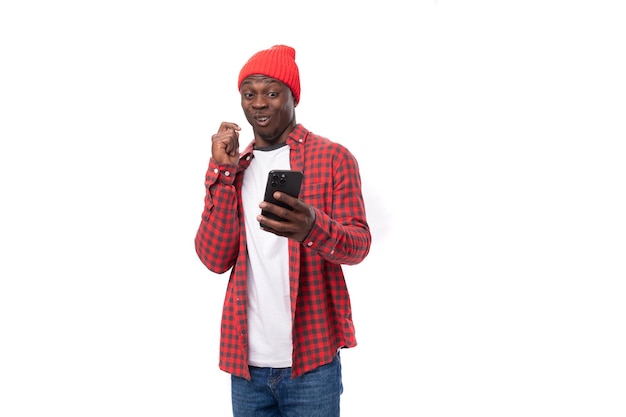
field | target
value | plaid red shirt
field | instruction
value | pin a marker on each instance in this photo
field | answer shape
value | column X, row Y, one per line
column 320, row 303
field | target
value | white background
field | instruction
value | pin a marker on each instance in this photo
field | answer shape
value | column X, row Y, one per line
column 490, row 136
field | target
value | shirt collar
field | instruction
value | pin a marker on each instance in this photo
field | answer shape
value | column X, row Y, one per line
column 297, row 137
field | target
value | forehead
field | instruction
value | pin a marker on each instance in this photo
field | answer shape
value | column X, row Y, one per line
column 260, row 79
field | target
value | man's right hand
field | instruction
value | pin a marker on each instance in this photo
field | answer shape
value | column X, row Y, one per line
column 225, row 146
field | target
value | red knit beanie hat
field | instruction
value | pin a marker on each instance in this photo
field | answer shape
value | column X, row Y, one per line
column 278, row 62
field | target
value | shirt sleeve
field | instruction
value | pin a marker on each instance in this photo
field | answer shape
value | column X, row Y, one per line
column 342, row 236
column 217, row 238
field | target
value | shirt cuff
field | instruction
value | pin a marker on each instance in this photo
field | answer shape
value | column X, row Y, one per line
column 224, row 174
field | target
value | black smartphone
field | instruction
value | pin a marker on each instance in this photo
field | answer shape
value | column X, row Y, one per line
column 285, row 181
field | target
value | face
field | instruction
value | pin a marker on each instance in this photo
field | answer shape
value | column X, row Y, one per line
column 269, row 106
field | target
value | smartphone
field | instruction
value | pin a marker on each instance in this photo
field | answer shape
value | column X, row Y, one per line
column 285, row 181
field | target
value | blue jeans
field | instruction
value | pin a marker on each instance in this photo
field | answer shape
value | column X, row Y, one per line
column 272, row 393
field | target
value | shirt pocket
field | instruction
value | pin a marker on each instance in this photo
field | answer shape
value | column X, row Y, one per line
column 318, row 194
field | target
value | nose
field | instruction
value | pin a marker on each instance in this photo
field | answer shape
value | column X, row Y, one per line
column 258, row 102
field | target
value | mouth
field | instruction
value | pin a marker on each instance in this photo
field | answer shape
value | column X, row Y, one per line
column 262, row 120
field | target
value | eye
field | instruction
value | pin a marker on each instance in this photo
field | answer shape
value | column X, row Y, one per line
column 272, row 94
column 247, row 95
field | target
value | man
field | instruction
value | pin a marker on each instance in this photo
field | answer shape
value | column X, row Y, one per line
column 287, row 309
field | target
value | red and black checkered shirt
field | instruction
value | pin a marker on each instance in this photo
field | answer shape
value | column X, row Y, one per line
column 320, row 303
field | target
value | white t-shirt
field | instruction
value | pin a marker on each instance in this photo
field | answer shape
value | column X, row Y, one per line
column 269, row 303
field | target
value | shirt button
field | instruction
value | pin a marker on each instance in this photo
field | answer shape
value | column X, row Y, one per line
column 309, row 244
column 227, row 173
column 216, row 170
column 248, row 158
